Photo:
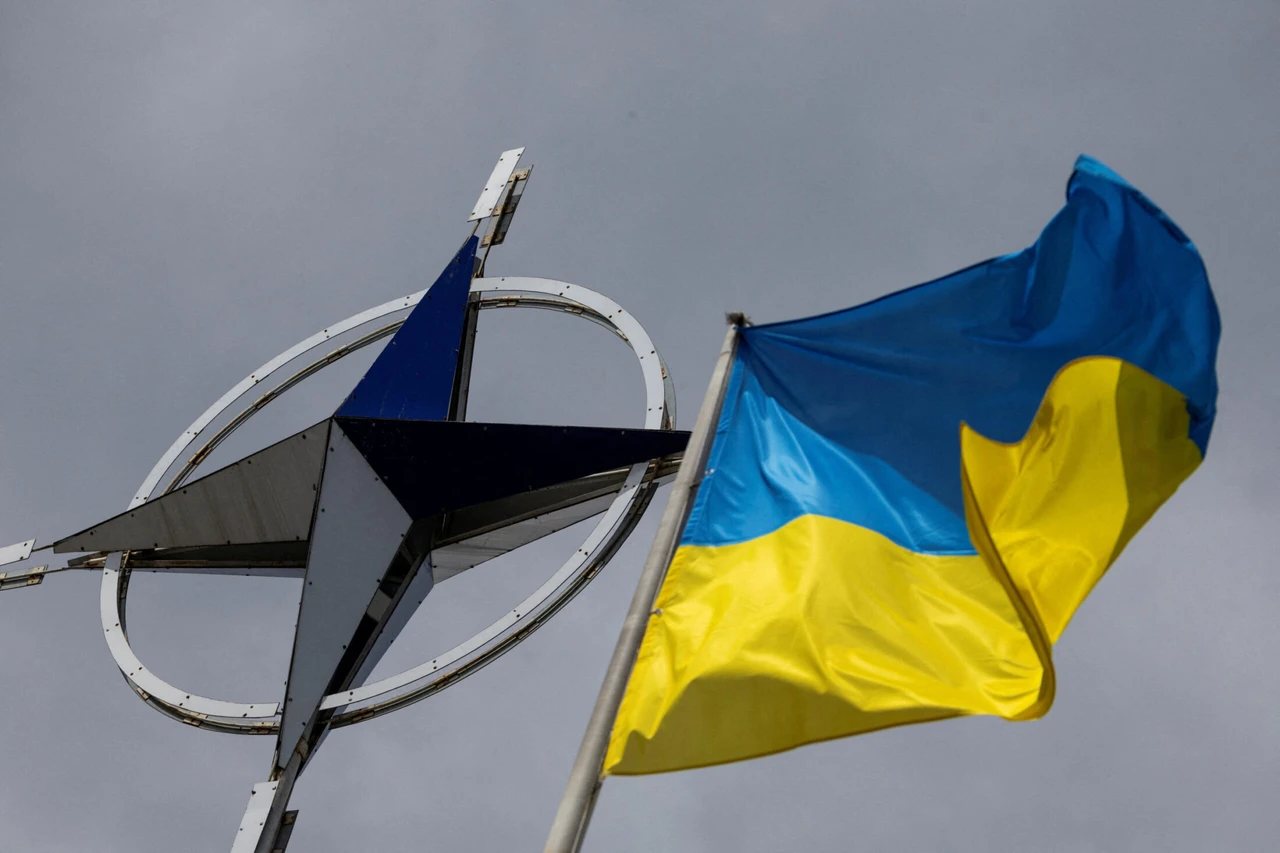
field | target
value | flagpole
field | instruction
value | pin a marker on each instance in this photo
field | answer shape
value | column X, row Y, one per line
column 579, row 800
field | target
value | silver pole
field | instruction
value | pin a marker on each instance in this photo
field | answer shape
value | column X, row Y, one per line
column 584, row 781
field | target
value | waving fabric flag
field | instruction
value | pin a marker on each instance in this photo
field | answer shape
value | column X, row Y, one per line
column 907, row 501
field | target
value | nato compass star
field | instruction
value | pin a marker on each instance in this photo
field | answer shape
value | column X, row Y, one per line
column 393, row 494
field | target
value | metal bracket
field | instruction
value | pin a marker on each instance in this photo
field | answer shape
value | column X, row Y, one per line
column 249, row 837
column 255, row 817
column 21, row 579
column 505, row 210
column 286, row 830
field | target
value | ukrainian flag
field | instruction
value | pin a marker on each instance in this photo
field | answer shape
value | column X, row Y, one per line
column 906, row 501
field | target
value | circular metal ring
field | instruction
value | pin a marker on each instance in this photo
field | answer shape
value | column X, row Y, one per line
column 414, row 684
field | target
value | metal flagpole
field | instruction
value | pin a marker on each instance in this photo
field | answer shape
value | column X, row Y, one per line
column 579, row 800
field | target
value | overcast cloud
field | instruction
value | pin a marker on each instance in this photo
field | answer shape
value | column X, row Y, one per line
column 186, row 191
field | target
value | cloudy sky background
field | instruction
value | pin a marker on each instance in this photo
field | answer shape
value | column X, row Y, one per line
column 184, row 192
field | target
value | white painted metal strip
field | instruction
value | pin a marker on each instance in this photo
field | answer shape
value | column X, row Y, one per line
column 493, row 187
column 14, row 553
column 255, row 817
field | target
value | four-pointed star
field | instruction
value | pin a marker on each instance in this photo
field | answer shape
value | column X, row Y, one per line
column 378, row 503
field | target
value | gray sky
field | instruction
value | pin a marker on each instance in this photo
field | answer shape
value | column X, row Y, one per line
column 186, row 192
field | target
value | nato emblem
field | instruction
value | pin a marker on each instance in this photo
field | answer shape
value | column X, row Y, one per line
column 372, row 507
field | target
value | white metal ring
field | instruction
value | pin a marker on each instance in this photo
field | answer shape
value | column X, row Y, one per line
column 418, row 682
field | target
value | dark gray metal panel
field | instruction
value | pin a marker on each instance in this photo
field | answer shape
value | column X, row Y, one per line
column 265, row 555
column 266, row 497
column 228, row 571
column 419, row 587
column 252, row 825
column 466, row 356
column 359, row 527
column 483, row 532
column 262, row 560
column 495, row 515
column 457, row 557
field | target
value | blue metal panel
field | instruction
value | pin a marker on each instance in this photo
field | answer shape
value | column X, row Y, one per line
column 414, row 376
column 440, row 466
